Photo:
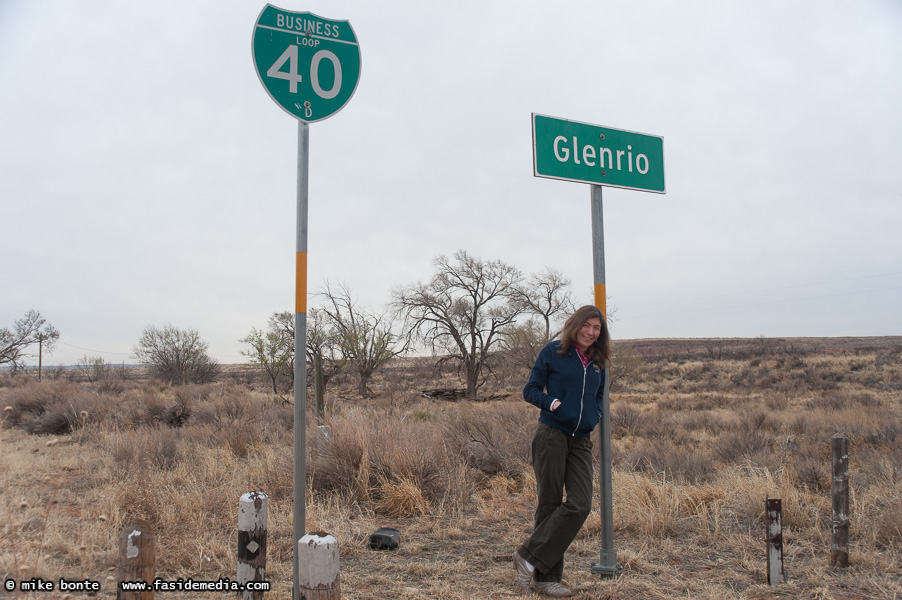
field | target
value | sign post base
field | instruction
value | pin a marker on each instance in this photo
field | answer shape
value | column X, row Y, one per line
column 608, row 567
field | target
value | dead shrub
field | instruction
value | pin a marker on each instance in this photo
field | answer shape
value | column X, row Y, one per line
column 416, row 455
column 235, row 410
column 626, row 420
column 192, row 393
column 820, row 377
column 150, row 407
column 158, row 408
column 380, row 460
column 865, row 399
column 776, row 403
column 889, row 356
column 888, row 523
column 343, row 465
column 274, row 470
column 672, row 403
column 55, row 408
column 277, row 420
column 704, row 421
column 240, row 441
column 812, row 473
column 400, row 497
column 697, row 371
column 362, row 454
column 142, row 449
column 760, row 420
column 888, row 434
column 651, row 507
column 137, row 499
column 665, row 426
column 494, row 438
column 664, row 458
column 748, row 485
column 739, row 446
column 829, row 401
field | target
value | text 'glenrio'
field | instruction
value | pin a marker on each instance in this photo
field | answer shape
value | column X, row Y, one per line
column 575, row 151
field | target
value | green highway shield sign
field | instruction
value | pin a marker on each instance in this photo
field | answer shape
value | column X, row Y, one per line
column 585, row 153
column 308, row 65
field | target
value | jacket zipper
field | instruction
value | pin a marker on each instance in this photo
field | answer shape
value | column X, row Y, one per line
column 583, row 393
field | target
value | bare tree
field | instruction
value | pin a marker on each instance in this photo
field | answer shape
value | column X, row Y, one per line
column 546, row 295
column 365, row 339
column 93, row 368
column 176, row 355
column 29, row 330
column 546, row 298
column 273, row 350
column 322, row 341
column 323, row 355
column 462, row 311
column 523, row 341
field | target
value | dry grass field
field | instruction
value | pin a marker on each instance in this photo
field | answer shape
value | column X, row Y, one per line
column 703, row 431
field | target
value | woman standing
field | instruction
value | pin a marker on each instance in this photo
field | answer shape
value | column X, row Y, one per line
column 567, row 384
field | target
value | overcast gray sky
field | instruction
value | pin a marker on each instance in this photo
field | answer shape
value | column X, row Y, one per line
column 147, row 178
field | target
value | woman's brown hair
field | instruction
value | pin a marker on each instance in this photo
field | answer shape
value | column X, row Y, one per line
column 603, row 349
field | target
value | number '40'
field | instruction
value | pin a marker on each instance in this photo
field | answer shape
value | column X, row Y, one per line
column 293, row 77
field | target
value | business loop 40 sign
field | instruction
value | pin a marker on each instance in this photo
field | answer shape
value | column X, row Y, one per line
column 310, row 66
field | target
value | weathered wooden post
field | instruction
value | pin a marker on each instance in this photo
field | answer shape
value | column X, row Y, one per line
column 318, row 567
column 774, row 512
column 137, row 559
column 839, row 547
column 252, row 515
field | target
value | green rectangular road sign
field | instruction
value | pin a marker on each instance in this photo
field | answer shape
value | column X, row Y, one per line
column 585, row 153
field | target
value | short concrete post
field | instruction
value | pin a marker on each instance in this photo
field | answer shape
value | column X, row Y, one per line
column 137, row 559
column 774, row 512
column 252, row 515
column 839, row 547
column 318, row 567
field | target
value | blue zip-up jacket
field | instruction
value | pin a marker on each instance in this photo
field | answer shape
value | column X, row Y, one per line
column 579, row 389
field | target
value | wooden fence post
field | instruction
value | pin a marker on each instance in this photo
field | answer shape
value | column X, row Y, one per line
column 252, row 515
column 839, row 547
column 137, row 559
column 318, row 567
column 774, row 511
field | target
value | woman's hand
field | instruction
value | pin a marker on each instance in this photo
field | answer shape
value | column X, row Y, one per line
column 554, row 404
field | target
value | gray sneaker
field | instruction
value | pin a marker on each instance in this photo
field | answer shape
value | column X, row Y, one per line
column 523, row 574
column 554, row 589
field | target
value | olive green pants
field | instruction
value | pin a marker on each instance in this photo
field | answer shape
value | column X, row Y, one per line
column 560, row 462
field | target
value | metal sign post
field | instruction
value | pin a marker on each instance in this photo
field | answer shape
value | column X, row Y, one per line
column 310, row 67
column 601, row 156
column 607, row 565
column 300, row 352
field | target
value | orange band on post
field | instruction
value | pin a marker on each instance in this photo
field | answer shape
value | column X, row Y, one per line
column 300, row 298
column 600, row 300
